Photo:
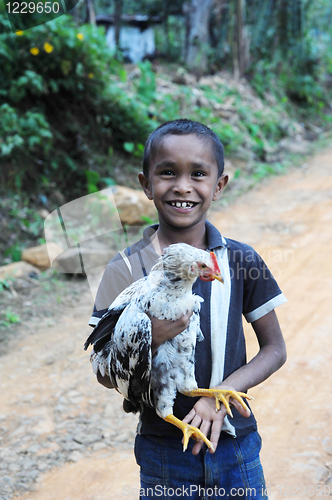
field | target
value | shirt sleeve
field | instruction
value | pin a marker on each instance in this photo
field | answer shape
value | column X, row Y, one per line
column 115, row 279
column 261, row 291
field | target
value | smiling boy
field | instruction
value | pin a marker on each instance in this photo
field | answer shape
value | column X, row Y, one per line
column 183, row 173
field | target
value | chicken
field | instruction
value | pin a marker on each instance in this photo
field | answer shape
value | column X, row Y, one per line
column 122, row 339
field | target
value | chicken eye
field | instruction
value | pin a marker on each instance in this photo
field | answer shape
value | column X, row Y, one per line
column 203, row 266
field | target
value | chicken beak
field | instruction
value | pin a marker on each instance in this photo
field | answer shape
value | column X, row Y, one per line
column 217, row 274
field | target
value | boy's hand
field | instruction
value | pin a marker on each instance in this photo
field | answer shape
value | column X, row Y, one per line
column 208, row 420
column 165, row 329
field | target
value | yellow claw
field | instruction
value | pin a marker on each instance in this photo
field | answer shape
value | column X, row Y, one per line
column 188, row 431
column 223, row 396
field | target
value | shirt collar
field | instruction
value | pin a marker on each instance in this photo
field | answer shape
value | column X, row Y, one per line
column 214, row 238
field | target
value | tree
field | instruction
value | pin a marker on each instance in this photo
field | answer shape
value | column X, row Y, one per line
column 91, row 12
column 198, row 15
column 118, row 7
column 240, row 40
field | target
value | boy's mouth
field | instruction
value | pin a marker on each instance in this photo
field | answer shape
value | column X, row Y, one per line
column 187, row 205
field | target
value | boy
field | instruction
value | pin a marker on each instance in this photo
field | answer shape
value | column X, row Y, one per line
column 183, row 173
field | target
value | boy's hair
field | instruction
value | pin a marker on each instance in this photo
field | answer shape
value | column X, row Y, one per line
column 183, row 127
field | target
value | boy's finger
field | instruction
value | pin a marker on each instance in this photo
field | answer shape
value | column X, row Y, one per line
column 188, row 418
column 240, row 408
column 204, row 428
column 197, row 447
column 215, row 433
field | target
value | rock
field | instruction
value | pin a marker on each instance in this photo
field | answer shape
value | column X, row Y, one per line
column 40, row 255
column 298, row 147
column 13, row 467
column 163, row 83
column 312, row 132
column 207, row 81
column 32, row 475
column 183, row 77
column 225, row 113
column 124, row 436
column 99, row 446
column 17, row 270
column 70, row 260
column 43, row 213
column 225, row 110
column 75, row 456
column 57, row 198
column 203, row 101
column 219, row 80
column 72, row 446
column 133, row 205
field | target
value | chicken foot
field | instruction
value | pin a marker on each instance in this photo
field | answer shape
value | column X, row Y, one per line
column 188, row 431
column 221, row 396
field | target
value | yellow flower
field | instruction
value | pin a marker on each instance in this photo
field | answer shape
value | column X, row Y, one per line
column 34, row 51
column 48, row 47
column 19, row 33
column 80, row 36
column 90, row 75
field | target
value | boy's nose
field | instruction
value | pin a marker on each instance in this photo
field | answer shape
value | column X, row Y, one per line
column 182, row 186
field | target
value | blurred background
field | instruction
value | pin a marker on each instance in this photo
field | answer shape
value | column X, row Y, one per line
column 78, row 97
column 80, row 94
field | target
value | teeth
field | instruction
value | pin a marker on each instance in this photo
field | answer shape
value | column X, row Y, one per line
column 184, row 204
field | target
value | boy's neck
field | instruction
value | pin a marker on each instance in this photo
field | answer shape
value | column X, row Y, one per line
column 194, row 236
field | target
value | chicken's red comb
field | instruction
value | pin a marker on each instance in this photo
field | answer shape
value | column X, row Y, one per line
column 216, row 269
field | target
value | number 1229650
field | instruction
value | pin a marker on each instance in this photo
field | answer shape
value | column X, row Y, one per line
column 31, row 7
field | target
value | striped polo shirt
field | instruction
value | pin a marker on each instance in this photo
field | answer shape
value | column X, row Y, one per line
column 249, row 289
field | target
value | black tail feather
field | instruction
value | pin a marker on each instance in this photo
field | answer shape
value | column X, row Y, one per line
column 129, row 407
column 103, row 330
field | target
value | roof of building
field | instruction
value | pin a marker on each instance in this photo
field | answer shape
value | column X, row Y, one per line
column 139, row 20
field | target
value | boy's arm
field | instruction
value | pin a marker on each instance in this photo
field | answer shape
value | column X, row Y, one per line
column 271, row 356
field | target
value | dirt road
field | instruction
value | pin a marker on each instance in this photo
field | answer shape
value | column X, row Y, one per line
column 64, row 437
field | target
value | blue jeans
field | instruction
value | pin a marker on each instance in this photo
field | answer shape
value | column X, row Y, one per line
column 234, row 471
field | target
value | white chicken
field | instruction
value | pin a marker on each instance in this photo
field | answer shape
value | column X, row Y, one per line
column 122, row 339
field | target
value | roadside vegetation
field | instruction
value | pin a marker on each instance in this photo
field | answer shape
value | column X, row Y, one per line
column 74, row 117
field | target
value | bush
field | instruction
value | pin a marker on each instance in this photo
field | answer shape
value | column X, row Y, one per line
column 299, row 78
column 60, row 103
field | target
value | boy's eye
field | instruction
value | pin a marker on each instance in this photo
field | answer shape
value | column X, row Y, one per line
column 167, row 172
column 198, row 174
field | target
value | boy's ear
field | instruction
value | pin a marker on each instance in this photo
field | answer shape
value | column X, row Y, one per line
column 221, row 184
column 144, row 182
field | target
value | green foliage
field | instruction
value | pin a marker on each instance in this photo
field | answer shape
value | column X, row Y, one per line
column 229, row 136
column 92, row 179
column 292, row 52
column 60, row 103
column 134, row 149
column 4, row 284
column 170, row 39
column 262, row 170
column 21, row 225
column 147, row 83
column 28, row 133
column 9, row 319
column 13, row 253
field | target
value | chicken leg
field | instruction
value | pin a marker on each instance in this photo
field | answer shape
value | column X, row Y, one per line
column 188, row 431
column 221, row 395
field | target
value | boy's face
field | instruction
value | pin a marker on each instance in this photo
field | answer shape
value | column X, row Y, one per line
column 183, row 170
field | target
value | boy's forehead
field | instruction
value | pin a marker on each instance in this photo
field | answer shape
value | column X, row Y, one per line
column 188, row 146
